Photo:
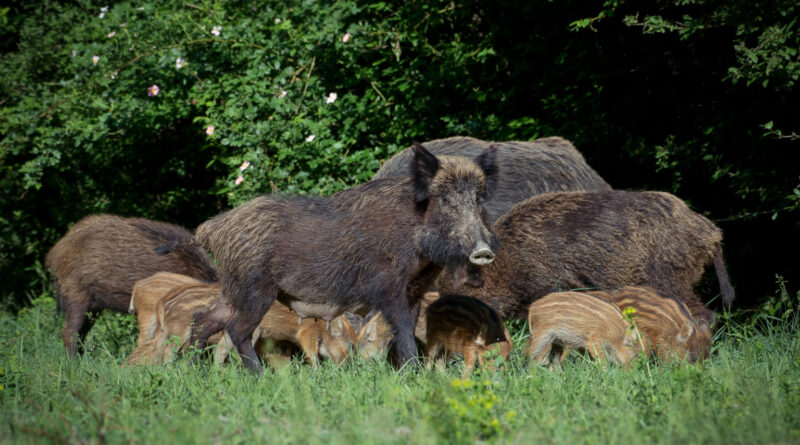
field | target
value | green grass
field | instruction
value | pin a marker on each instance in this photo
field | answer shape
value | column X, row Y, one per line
column 748, row 392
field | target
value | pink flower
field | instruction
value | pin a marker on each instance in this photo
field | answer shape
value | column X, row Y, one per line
column 239, row 180
column 95, row 59
column 210, row 130
column 331, row 98
column 112, row 34
column 346, row 37
column 153, row 90
column 216, row 30
column 310, row 138
column 244, row 165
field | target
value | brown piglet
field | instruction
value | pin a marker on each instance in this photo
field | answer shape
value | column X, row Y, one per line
column 466, row 327
column 667, row 328
column 561, row 321
column 145, row 296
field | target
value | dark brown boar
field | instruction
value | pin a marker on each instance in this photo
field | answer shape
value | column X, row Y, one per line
column 100, row 258
column 561, row 321
column 667, row 327
column 376, row 246
column 463, row 326
column 603, row 240
column 529, row 168
column 146, row 294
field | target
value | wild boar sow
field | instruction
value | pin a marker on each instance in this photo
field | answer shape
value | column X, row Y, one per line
column 528, row 168
column 603, row 240
column 100, row 258
column 376, row 246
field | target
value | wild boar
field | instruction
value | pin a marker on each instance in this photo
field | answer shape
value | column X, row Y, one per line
column 463, row 326
column 561, row 321
column 145, row 296
column 374, row 337
column 100, row 258
column 316, row 338
column 529, row 168
column 665, row 323
column 603, row 240
column 376, row 246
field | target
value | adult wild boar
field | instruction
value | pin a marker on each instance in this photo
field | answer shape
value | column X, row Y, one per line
column 603, row 240
column 529, row 168
column 375, row 246
column 100, row 258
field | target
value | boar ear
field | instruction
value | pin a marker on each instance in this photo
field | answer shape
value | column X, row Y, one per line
column 487, row 161
column 371, row 329
column 337, row 328
column 424, row 166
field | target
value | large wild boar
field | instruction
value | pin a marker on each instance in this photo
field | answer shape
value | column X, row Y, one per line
column 666, row 325
column 561, row 321
column 376, row 246
column 529, row 168
column 100, row 258
column 466, row 327
column 603, row 240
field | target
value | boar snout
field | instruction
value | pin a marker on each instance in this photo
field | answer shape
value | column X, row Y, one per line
column 481, row 254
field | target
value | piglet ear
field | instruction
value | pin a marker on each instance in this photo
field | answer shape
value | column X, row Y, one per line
column 487, row 161
column 424, row 166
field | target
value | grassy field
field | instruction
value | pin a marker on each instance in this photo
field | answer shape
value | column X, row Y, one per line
column 748, row 392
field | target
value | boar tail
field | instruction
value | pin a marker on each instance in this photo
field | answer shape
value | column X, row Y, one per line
column 722, row 275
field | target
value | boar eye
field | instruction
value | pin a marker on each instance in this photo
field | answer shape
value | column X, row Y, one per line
column 445, row 200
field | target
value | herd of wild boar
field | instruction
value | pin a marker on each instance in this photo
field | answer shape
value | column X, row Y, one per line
column 446, row 242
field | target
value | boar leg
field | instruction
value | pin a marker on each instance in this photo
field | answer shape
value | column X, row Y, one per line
column 469, row 360
column 399, row 318
column 309, row 343
column 251, row 307
column 76, row 325
column 433, row 350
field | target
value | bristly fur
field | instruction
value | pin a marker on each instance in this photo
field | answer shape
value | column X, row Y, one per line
column 601, row 240
column 665, row 322
column 100, row 258
column 368, row 247
column 528, row 168
column 561, row 321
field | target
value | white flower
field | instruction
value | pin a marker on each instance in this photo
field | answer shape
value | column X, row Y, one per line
column 114, row 74
column 74, row 53
column 346, row 37
column 331, row 98
column 310, row 138
column 210, row 130
column 95, row 59
column 216, row 30
column 179, row 63
column 112, row 34
column 103, row 11
column 277, row 21
column 140, row 8
column 239, row 180
column 282, row 93
column 244, row 165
